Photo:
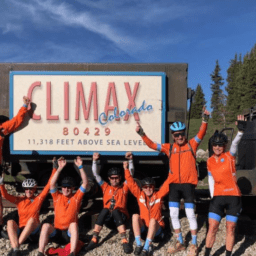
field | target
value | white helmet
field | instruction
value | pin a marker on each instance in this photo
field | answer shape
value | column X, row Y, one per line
column 29, row 183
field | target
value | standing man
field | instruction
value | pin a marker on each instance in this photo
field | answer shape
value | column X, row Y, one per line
column 6, row 128
column 183, row 178
column 66, row 209
column 114, row 202
column 150, row 217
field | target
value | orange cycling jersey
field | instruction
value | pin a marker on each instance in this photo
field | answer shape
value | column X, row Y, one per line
column 28, row 207
column 66, row 208
column 182, row 162
column 150, row 207
column 223, row 171
column 10, row 126
column 120, row 195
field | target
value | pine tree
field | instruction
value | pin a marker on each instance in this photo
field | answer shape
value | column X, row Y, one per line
column 198, row 103
column 249, row 99
column 232, row 88
column 216, row 100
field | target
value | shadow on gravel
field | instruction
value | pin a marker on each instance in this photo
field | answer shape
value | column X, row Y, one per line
column 30, row 248
column 220, row 251
column 202, row 222
column 110, row 235
column 245, row 230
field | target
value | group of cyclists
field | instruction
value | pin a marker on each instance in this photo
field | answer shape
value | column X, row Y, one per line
column 180, row 184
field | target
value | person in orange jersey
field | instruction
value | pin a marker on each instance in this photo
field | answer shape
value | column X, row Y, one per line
column 114, row 202
column 7, row 127
column 150, row 205
column 223, row 187
column 183, row 178
column 27, row 226
column 66, row 209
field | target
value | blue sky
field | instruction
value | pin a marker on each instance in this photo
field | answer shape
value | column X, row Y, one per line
column 196, row 32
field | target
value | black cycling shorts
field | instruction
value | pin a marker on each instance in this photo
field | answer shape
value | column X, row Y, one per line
column 185, row 191
column 231, row 205
column 106, row 217
column 60, row 236
column 33, row 237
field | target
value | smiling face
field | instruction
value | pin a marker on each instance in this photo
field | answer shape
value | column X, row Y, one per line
column 114, row 180
column 67, row 190
column 29, row 192
column 218, row 149
column 148, row 190
column 179, row 137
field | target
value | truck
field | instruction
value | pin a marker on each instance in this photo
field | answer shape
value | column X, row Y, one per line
column 80, row 108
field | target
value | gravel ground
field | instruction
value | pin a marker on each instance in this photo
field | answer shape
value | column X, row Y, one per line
column 109, row 244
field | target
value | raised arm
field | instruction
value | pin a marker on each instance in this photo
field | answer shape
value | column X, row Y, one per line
column 46, row 189
column 150, row 143
column 129, row 157
column 15, row 122
column 132, row 185
column 79, row 163
column 164, row 189
column 95, row 169
column 241, row 125
column 61, row 164
column 202, row 131
column 12, row 199
column 210, row 181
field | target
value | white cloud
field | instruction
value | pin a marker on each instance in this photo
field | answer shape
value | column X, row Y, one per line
column 11, row 27
column 127, row 24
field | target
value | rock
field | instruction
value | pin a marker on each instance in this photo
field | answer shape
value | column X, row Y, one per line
column 111, row 246
column 202, row 154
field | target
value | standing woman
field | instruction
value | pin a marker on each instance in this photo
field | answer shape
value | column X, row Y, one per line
column 223, row 187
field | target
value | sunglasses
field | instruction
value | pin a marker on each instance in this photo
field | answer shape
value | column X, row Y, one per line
column 68, row 187
column 29, row 189
column 115, row 178
column 148, row 186
column 176, row 135
column 215, row 145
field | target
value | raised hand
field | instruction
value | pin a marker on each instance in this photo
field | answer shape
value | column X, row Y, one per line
column 26, row 100
column 78, row 161
column 128, row 155
column 62, row 162
column 139, row 129
column 205, row 114
column 96, row 156
column 55, row 163
column 240, row 123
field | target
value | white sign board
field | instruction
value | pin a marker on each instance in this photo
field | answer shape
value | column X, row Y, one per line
column 84, row 112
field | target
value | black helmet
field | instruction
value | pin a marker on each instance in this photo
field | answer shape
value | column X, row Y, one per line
column 114, row 171
column 219, row 138
column 68, row 182
column 148, row 181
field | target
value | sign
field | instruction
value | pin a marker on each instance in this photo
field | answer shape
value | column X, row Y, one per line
column 78, row 113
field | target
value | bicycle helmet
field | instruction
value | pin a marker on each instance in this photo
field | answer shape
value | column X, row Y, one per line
column 177, row 126
column 114, row 171
column 219, row 138
column 68, row 182
column 148, row 181
column 29, row 183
